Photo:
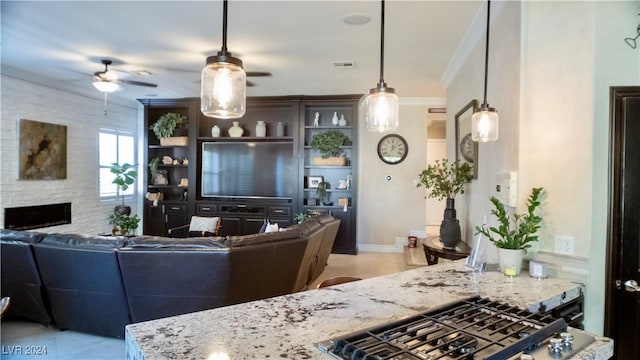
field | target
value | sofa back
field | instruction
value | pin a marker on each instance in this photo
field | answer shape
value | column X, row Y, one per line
column 264, row 265
column 331, row 226
column 21, row 278
column 313, row 231
column 166, row 277
column 82, row 278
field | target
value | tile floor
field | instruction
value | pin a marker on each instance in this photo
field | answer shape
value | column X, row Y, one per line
column 17, row 338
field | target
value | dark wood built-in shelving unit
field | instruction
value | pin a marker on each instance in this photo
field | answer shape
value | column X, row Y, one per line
column 245, row 214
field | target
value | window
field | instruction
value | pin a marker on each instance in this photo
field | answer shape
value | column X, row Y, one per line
column 114, row 146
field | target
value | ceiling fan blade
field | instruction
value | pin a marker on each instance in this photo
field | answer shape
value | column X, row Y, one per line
column 258, row 73
column 250, row 84
column 138, row 83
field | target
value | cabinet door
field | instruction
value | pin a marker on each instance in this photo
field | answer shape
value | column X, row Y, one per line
column 229, row 226
column 252, row 225
column 153, row 220
column 176, row 216
column 345, row 242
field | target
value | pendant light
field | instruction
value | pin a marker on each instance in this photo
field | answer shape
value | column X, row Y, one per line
column 382, row 101
column 484, row 122
column 223, row 92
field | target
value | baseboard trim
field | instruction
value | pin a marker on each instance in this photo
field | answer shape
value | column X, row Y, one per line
column 380, row 248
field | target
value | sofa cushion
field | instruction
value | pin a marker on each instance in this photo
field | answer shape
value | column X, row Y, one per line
column 261, row 238
column 21, row 236
column 85, row 241
column 158, row 242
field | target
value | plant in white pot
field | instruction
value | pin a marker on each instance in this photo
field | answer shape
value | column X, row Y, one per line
column 445, row 180
column 515, row 234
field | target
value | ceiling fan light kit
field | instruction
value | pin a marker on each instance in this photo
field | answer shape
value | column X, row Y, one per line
column 485, row 121
column 105, row 86
column 223, row 91
column 381, row 104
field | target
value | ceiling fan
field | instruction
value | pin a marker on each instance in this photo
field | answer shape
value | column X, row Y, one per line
column 256, row 74
column 108, row 81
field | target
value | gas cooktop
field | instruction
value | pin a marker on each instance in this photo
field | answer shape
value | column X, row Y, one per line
column 474, row 328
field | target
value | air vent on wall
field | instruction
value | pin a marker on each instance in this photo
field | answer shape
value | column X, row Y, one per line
column 344, row 64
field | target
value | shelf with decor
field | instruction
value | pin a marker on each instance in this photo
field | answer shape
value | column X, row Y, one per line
column 329, row 160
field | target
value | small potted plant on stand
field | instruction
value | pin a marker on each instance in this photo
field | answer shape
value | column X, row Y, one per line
column 445, row 181
column 125, row 176
column 329, row 144
column 513, row 238
column 323, row 194
column 164, row 127
column 123, row 224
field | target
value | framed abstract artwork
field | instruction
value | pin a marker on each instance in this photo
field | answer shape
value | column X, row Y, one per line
column 42, row 151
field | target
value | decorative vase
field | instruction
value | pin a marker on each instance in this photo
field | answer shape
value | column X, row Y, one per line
column 334, row 119
column 236, row 130
column 450, row 226
column 261, row 129
column 510, row 261
column 342, row 121
column 280, row 129
column 215, row 131
column 122, row 209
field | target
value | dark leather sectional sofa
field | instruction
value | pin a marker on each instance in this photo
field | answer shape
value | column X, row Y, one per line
column 99, row 284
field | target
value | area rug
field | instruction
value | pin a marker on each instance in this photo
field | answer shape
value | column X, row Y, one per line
column 414, row 256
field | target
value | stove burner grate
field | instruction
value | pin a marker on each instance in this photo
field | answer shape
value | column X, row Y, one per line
column 474, row 328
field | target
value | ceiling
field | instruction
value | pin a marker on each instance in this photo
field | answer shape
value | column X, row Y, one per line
column 61, row 43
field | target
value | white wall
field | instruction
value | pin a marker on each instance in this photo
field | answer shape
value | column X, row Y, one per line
column 83, row 116
column 391, row 209
column 554, row 122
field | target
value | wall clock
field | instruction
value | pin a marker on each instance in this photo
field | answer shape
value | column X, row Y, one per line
column 393, row 149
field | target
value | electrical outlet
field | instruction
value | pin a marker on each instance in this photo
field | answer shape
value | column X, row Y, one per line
column 563, row 245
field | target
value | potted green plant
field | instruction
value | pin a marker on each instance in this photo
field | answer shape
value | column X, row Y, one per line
column 329, row 144
column 515, row 233
column 123, row 224
column 153, row 168
column 300, row 218
column 165, row 125
column 445, row 180
column 322, row 193
column 125, row 176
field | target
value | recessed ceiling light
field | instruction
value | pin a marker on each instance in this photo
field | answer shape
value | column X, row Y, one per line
column 357, row 19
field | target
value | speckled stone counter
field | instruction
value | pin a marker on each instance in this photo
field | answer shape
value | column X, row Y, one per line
column 289, row 326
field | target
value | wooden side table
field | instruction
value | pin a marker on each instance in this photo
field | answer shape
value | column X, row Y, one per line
column 433, row 249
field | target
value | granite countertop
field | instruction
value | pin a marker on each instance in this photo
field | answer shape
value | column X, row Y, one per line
column 288, row 327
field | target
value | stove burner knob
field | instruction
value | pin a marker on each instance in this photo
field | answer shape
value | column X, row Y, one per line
column 567, row 338
column 555, row 346
column 527, row 357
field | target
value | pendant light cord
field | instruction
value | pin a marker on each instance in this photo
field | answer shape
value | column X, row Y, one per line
column 382, row 44
column 486, row 56
column 224, row 27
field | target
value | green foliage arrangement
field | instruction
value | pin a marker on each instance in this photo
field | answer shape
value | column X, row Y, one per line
column 123, row 223
column 444, row 180
column 321, row 191
column 153, row 167
column 125, row 176
column 300, row 217
column 329, row 143
column 165, row 125
column 523, row 231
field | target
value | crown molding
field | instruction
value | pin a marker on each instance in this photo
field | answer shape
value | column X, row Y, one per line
column 476, row 32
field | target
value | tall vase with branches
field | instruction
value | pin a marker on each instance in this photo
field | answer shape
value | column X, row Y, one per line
column 445, row 180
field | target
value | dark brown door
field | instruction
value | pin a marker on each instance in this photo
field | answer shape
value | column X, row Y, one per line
column 622, row 317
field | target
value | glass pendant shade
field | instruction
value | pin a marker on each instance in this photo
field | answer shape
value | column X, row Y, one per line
column 484, row 125
column 106, row 86
column 381, row 109
column 223, row 92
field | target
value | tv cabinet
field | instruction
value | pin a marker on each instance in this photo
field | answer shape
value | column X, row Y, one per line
column 246, row 214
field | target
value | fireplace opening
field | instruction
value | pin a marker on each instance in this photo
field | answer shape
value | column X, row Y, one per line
column 39, row 216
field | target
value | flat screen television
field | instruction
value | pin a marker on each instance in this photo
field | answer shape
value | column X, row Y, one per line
column 247, row 169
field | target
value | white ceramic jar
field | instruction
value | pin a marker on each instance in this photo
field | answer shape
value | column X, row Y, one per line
column 261, row 129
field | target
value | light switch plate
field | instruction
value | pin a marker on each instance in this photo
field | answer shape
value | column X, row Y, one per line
column 506, row 188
